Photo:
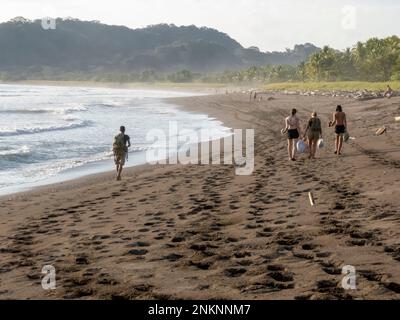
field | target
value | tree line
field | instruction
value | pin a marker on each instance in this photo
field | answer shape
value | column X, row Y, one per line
column 373, row 60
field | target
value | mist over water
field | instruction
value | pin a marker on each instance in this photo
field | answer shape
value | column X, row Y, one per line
column 46, row 131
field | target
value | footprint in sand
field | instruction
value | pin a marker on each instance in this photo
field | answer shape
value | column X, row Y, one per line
column 137, row 252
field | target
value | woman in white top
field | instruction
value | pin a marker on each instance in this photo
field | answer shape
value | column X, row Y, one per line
column 293, row 133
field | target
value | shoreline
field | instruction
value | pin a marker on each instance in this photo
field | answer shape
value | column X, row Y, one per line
column 201, row 232
column 186, row 87
column 65, row 176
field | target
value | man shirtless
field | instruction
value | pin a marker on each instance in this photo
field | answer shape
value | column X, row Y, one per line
column 340, row 123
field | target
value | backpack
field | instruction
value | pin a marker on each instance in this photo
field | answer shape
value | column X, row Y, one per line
column 119, row 144
column 315, row 125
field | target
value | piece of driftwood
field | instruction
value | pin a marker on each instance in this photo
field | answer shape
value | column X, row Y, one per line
column 397, row 119
column 311, row 197
column 380, row 131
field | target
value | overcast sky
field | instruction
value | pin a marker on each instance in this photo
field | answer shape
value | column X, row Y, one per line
column 267, row 24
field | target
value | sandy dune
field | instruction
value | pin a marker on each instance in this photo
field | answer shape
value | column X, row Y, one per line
column 201, row 232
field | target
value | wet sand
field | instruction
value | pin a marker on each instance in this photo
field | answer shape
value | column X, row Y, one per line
column 201, row 232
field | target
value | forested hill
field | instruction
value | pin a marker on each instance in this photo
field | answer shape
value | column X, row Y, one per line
column 91, row 46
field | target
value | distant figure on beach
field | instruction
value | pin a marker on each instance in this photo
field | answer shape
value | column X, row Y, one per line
column 313, row 133
column 340, row 123
column 120, row 148
column 389, row 92
column 293, row 133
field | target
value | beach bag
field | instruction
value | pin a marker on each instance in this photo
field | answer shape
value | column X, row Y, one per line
column 119, row 145
column 346, row 137
column 321, row 144
column 301, row 146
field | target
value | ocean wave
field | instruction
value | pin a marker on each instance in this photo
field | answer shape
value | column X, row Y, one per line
column 15, row 152
column 24, row 111
column 70, row 109
column 44, row 110
column 110, row 105
column 6, row 133
column 70, row 118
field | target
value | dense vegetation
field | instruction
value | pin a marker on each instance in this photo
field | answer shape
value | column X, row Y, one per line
column 82, row 50
column 373, row 60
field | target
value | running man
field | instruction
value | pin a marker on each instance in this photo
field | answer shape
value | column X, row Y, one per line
column 120, row 148
column 340, row 123
column 293, row 133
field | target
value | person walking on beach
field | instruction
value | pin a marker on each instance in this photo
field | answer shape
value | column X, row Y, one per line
column 120, row 148
column 293, row 133
column 313, row 133
column 389, row 92
column 340, row 123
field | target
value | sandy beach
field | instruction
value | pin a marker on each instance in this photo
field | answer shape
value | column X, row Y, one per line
column 201, row 232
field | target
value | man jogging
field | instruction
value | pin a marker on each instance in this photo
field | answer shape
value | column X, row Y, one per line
column 120, row 148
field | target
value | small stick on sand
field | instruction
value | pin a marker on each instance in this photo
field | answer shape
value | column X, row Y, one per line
column 397, row 119
column 310, row 196
column 381, row 131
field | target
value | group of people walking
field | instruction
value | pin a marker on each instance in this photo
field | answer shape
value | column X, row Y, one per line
column 313, row 132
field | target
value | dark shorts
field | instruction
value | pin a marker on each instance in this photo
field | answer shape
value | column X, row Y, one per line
column 293, row 134
column 340, row 130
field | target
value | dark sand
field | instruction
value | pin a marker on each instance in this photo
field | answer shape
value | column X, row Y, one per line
column 201, row 232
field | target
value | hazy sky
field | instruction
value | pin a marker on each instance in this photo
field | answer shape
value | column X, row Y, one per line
column 268, row 24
